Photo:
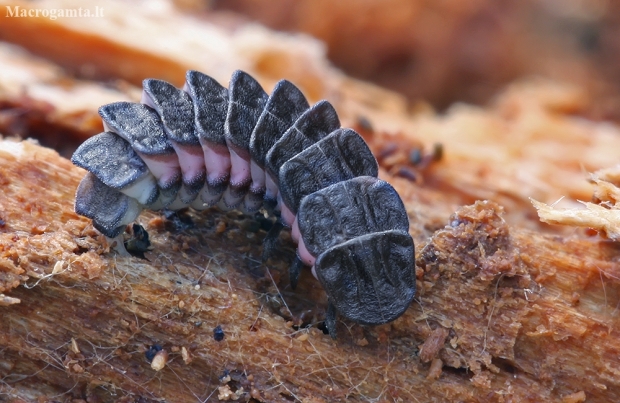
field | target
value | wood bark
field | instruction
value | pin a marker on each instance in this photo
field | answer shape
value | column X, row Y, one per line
column 508, row 309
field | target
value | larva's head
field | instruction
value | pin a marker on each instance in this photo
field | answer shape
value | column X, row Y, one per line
column 370, row 279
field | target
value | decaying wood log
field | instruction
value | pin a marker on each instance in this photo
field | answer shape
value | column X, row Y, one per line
column 527, row 317
column 508, row 309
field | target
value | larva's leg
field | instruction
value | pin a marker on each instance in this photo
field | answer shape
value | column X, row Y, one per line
column 270, row 199
column 294, row 271
column 330, row 319
column 270, row 244
column 306, row 257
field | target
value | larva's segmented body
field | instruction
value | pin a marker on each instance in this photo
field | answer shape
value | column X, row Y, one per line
column 206, row 145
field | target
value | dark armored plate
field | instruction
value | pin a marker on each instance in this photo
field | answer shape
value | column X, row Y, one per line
column 104, row 205
column 247, row 100
column 340, row 156
column 210, row 106
column 111, row 159
column 349, row 209
column 316, row 123
column 176, row 109
column 139, row 124
column 370, row 279
column 284, row 106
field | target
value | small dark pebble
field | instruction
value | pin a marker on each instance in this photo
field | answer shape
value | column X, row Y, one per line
column 224, row 375
column 415, row 157
column 364, row 124
column 407, row 174
column 386, row 151
column 2, row 223
column 150, row 353
column 218, row 333
column 437, row 151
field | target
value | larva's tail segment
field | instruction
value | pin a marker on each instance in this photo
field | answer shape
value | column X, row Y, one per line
column 109, row 209
column 369, row 279
column 355, row 235
column 207, row 145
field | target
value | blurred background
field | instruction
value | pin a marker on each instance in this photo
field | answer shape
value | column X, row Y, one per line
column 543, row 77
column 450, row 50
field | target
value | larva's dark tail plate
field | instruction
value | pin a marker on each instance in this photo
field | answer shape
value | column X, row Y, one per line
column 284, row 106
column 370, row 279
column 138, row 124
column 210, row 106
column 315, row 124
column 111, row 158
column 349, row 209
column 109, row 209
column 175, row 108
column 340, row 156
column 247, row 100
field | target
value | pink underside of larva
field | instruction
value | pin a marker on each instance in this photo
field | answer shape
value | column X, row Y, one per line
column 240, row 170
column 191, row 160
column 239, row 176
column 295, row 231
column 217, row 161
column 304, row 254
column 271, row 189
column 146, row 100
column 287, row 216
column 165, row 168
column 258, row 177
